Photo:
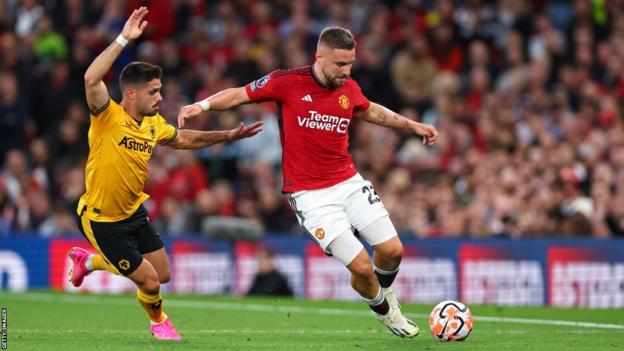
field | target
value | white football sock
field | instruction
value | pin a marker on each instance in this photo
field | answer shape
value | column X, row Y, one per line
column 89, row 263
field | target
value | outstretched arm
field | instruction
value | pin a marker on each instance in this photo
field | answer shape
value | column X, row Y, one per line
column 223, row 100
column 97, row 95
column 383, row 116
column 196, row 139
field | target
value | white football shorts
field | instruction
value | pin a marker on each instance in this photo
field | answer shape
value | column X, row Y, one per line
column 327, row 213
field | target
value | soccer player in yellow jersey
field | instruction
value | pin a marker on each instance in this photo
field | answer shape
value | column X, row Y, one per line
column 122, row 138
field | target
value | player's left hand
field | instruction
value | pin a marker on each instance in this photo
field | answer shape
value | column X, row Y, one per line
column 244, row 131
column 428, row 132
column 134, row 26
column 188, row 111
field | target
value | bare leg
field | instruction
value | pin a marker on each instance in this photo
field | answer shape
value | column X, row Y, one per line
column 387, row 258
column 363, row 279
column 160, row 262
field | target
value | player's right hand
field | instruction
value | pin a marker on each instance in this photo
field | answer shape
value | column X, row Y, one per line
column 135, row 24
column 427, row 132
column 245, row 131
column 188, row 111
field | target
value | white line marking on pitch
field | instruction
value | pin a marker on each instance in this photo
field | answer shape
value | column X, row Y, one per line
column 77, row 299
column 276, row 331
column 204, row 331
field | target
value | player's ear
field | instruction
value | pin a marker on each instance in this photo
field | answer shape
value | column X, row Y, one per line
column 317, row 55
column 130, row 93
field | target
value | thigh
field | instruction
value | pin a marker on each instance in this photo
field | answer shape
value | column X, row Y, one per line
column 85, row 228
column 115, row 243
column 147, row 238
column 363, row 205
column 144, row 272
column 321, row 215
column 159, row 261
column 380, row 234
column 84, row 225
column 346, row 247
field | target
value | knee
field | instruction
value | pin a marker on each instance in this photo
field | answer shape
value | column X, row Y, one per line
column 362, row 270
column 151, row 285
column 394, row 253
column 164, row 277
column 397, row 252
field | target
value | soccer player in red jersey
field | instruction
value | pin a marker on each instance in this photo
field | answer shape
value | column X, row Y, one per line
column 316, row 105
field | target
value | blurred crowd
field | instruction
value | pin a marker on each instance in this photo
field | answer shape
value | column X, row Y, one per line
column 525, row 94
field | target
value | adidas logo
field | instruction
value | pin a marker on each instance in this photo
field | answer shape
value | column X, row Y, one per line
column 307, row 98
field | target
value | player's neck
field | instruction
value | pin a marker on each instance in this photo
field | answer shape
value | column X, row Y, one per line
column 318, row 74
column 131, row 111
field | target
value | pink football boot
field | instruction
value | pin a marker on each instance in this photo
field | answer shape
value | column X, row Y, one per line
column 78, row 270
column 165, row 330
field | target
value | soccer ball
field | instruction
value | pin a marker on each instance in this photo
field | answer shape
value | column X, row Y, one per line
column 450, row 321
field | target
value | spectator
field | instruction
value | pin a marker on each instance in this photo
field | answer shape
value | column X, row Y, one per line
column 413, row 72
column 27, row 16
column 54, row 92
column 268, row 281
column 526, row 96
column 173, row 219
column 204, row 206
column 49, row 45
column 8, row 211
column 13, row 115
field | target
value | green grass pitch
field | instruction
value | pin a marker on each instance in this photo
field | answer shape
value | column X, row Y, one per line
column 58, row 321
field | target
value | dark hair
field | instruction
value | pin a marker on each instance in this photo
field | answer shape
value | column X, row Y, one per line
column 138, row 73
column 337, row 38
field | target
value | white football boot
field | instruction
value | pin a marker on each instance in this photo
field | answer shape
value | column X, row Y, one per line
column 392, row 300
column 398, row 324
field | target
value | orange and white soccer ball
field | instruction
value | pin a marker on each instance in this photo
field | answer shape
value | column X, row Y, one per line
column 450, row 321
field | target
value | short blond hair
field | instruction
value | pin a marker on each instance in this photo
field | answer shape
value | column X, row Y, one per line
column 337, row 38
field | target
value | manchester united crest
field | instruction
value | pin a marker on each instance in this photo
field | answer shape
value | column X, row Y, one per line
column 343, row 100
column 319, row 233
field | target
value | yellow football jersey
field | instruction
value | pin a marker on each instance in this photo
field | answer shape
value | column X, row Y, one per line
column 119, row 150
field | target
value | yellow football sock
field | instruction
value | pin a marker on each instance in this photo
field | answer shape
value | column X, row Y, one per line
column 152, row 304
column 100, row 263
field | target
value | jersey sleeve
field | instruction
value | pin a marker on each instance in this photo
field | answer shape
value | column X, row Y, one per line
column 106, row 114
column 360, row 102
column 267, row 88
column 165, row 132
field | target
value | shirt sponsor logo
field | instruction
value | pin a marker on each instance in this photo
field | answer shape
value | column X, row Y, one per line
column 132, row 144
column 324, row 122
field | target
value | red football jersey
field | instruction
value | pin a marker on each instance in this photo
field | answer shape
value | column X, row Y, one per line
column 314, row 122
